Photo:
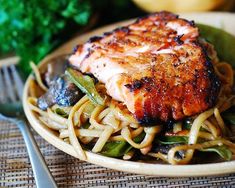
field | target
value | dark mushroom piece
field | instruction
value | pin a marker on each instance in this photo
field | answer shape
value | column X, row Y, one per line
column 162, row 148
column 61, row 92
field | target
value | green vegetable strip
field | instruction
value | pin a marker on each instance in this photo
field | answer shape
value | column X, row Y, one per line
column 119, row 148
column 61, row 112
column 116, row 149
column 173, row 140
column 223, row 42
column 85, row 84
column 222, row 151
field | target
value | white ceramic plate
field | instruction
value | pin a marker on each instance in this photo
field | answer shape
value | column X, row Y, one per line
column 221, row 20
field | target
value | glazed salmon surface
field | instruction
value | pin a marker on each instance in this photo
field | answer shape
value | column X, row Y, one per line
column 156, row 66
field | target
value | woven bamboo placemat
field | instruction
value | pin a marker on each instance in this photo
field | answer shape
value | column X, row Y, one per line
column 16, row 171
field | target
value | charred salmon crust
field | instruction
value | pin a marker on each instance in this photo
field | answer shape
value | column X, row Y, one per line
column 156, row 66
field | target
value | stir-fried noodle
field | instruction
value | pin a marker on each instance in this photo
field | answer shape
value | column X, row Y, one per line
column 113, row 122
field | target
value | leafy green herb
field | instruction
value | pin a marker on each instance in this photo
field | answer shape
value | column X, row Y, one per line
column 86, row 84
column 119, row 148
column 222, row 151
column 32, row 28
column 223, row 42
column 61, row 112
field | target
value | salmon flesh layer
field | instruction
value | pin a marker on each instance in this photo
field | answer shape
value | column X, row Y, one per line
column 156, row 66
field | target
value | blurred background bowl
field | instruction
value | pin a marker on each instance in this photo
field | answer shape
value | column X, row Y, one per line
column 184, row 5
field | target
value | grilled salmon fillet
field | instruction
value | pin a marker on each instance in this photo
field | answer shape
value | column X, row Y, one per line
column 156, row 66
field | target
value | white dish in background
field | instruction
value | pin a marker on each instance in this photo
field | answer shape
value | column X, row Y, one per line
column 220, row 20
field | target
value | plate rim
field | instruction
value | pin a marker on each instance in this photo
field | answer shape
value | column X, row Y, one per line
column 165, row 170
